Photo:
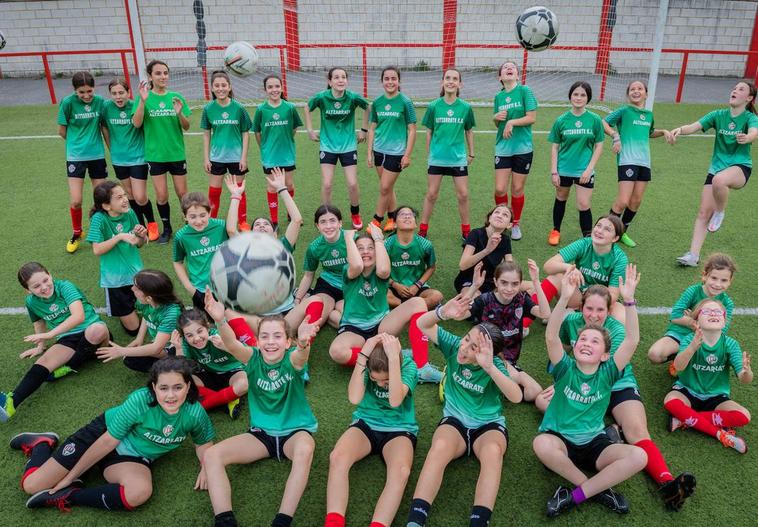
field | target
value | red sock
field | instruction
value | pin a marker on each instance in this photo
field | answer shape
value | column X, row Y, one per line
column 656, row 466
column 690, row 417
column 465, row 229
column 291, row 192
column 334, row 519
column 273, row 206
column 214, row 399
column 76, row 219
column 726, row 418
column 353, row 357
column 204, row 392
column 550, row 292
column 376, row 524
column 501, row 200
column 517, row 204
column 314, row 311
column 214, row 196
column 243, row 331
column 28, row 472
column 423, row 229
column 419, row 341
column 242, row 211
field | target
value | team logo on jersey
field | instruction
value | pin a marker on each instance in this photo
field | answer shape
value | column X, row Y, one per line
column 595, row 265
column 275, row 116
column 335, row 253
column 629, row 172
column 87, row 107
column 71, row 168
column 405, row 256
column 585, row 388
column 450, row 113
column 519, row 312
column 366, row 286
column 119, row 227
column 273, row 374
column 337, row 105
column 204, row 241
column 732, row 126
column 322, row 154
column 578, row 124
column 466, row 373
column 53, row 307
column 161, row 105
column 69, row 449
column 167, row 430
column 388, row 107
column 225, row 115
column 711, row 359
column 642, row 117
column 507, row 99
column 122, row 115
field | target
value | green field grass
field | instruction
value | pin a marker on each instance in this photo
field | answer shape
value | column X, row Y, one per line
column 34, row 205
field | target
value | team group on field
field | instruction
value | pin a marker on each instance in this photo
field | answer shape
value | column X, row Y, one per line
column 370, row 288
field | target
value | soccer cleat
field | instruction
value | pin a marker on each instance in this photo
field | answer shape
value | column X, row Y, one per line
column 376, row 223
column 554, row 238
column 429, row 373
column 6, row 406
column 677, row 490
column 614, row 434
column 60, row 372
column 234, row 408
column 717, row 219
column 626, row 240
column 390, row 225
column 441, row 389
column 152, row 231
column 357, row 221
column 58, row 499
column 244, row 226
column 613, row 500
column 559, row 502
column 165, row 236
column 516, row 232
column 688, row 260
column 675, row 424
column 73, row 244
column 730, row 440
column 26, row 441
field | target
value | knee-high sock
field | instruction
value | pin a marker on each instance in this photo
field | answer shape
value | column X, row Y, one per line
column 214, row 196
column 109, row 497
column 690, row 417
column 242, row 331
column 517, row 204
column 273, row 206
column 419, row 342
column 726, row 418
column 211, row 399
column 559, row 210
column 29, row 383
column 656, row 466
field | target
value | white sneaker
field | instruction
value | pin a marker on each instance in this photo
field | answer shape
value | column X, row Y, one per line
column 688, row 260
column 716, row 219
column 516, row 232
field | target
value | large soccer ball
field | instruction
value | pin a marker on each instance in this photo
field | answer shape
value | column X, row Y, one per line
column 241, row 58
column 252, row 273
column 537, row 28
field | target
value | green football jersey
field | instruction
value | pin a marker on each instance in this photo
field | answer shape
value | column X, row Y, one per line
column 707, row 374
column 276, row 396
column 365, row 300
column 471, row 396
column 210, row 358
column 726, row 150
column 448, row 124
column 410, row 262
column 332, row 257
column 604, row 269
column 576, row 137
column 84, row 142
column 164, row 138
column 580, row 400
column 119, row 265
column 127, row 143
column 634, row 125
column 55, row 310
column 691, row 297
column 517, row 102
column 149, row 432
column 375, row 410
column 392, row 117
column 227, row 125
column 161, row 319
column 337, row 120
column 277, row 124
column 198, row 248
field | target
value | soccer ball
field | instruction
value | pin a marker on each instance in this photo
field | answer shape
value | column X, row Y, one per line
column 252, row 273
column 2, row 40
column 537, row 28
column 241, row 58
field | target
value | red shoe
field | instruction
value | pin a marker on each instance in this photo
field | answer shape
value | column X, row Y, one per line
column 152, row 231
column 554, row 238
column 244, row 226
column 357, row 221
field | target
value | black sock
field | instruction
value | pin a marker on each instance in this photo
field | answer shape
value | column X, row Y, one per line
column 164, row 211
column 138, row 211
column 355, row 209
column 391, row 214
column 585, row 222
column 225, row 519
column 130, row 332
column 147, row 211
column 40, row 453
column 612, row 212
column 142, row 364
column 85, row 350
column 559, row 210
column 106, row 497
column 627, row 218
column 29, row 383
column 419, row 511
column 480, row 516
column 378, row 218
column 281, row 520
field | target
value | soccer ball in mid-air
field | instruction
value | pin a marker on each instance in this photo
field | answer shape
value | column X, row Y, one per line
column 252, row 273
column 241, row 58
column 537, row 28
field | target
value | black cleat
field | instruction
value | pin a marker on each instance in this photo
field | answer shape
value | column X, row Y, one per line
column 165, row 237
column 58, row 499
column 613, row 500
column 674, row 492
column 26, row 441
column 560, row 501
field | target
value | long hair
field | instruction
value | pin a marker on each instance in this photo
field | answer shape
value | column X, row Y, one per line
column 102, row 195
column 178, row 365
column 157, row 285
column 221, row 74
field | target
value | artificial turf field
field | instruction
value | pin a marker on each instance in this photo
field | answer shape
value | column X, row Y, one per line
column 34, row 205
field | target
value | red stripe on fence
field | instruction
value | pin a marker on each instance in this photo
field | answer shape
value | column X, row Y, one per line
column 449, row 23
column 291, row 34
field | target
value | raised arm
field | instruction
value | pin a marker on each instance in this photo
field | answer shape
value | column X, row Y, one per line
column 216, row 310
column 277, row 182
column 628, row 346
column 383, row 265
column 484, row 358
column 354, row 260
column 306, row 332
column 543, row 306
column 356, row 388
column 569, row 284
column 456, row 308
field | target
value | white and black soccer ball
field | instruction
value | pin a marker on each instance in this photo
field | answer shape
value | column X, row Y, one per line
column 241, row 58
column 537, row 28
column 252, row 273
column 2, row 40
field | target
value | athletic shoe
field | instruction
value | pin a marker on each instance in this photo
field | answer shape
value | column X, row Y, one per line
column 243, row 226
column 58, row 499
column 152, row 231
column 390, row 225
column 626, row 240
column 688, row 260
column 376, row 223
column 559, row 502
column 672, row 370
column 554, row 238
column 613, row 500
column 516, row 232
column 60, row 372
column 441, row 390
column 357, row 221
column 717, row 219
column 677, row 490
column 73, row 244
column 26, row 441
column 675, row 424
column 165, row 237
column 730, row 440
column 614, row 434
column 6, row 406
column 234, row 408
column 429, row 373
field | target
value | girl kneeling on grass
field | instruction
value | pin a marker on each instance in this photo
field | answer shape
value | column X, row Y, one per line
column 384, row 423
column 572, row 440
column 281, row 421
column 472, row 419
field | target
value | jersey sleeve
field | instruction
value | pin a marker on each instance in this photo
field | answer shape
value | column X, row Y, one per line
column 205, row 123
column 735, row 355
column 310, row 262
column 500, row 365
column 614, row 118
column 563, row 333
column 729, row 306
column 708, row 121
column 202, row 430
column 683, row 302
column 186, row 110
column 408, row 374
column 119, row 420
column 178, row 253
column 359, row 101
column 506, row 241
column 314, row 102
column 430, row 257
column 555, row 132
column 529, row 304
column 296, row 121
column 95, row 234
column 560, row 369
column 32, row 315
column 574, row 250
column 257, row 118
column 752, row 121
column 447, row 342
column 410, row 111
column 619, row 267
column 685, row 342
column 372, row 116
column 470, row 121
column 63, row 111
column 69, row 292
column 530, row 101
column 168, row 322
column 428, row 119
column 245, row 122
column 599, row 130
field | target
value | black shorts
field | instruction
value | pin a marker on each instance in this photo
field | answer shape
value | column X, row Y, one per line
column 746, row 171
column 70, row 451
column 214, row 380
column 119, row 301
column 585, row 456
column 621, row 396
column 96, row 168
column 434, row 170
column 324, row 287
column 633, row 173
column 274, row 444
column 198, row 301
column 134, row 172
column 365, row 333
column 346, row 159
column 83, row 349
column 219, row 169
column 701, row 405
column 270, row 170
column 175, row 168
column 388, row 162
column 568, row 181
column 470, row 435
column 421, row 290
column 379, row 439
column 519, row 163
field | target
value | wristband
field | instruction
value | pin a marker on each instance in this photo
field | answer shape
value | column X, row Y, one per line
column 364, row 130
column 471, row 155
column 630, row 303
column 238, row 198
column 438, row 312
column 554, row 173
column 363, row 355
column 419, row 284
column 281, row 190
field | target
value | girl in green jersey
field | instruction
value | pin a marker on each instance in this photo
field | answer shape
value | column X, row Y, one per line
column 571, row 440
column 59, row 311
column 123, row 442
column 700, row 398
column 736, row 128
